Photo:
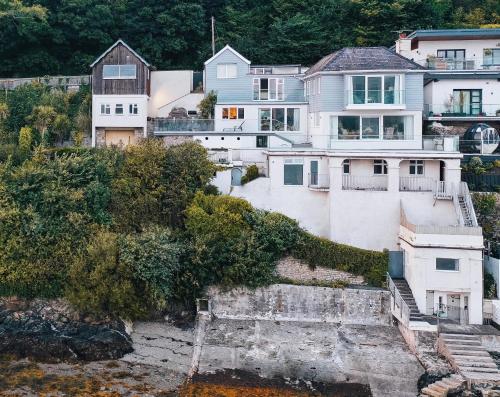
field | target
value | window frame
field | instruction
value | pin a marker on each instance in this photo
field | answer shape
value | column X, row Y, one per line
column 132, row 107
column 398, row 83
column 271, row 120
column 261, row 141
column 119, row 76
column 294, row 162
column 493, row 50
column 225, row 75
column 276, row 83
column 346, row 164
column 456, row 262
column 119, row 105
column 107, row 109
column 454, row 50
column 240, row 113
column 380, row 163
column 416, row 165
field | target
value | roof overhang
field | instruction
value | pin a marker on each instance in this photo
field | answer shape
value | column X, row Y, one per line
column 119, row 41
column 228, row 47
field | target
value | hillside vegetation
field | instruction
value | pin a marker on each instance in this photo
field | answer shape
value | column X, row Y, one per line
column 129, row 232
column 48, row 37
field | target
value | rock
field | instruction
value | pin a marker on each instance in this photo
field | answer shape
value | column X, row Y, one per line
column 51, row 331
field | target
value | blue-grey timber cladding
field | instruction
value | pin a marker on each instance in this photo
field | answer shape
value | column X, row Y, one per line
column 414, row 87
column 240, row 89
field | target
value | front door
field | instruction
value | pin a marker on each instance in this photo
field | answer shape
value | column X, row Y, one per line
column 236, row 176
column 429, row 300
column 453, row 307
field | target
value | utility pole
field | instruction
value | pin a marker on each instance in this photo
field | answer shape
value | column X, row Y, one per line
column 213, row 36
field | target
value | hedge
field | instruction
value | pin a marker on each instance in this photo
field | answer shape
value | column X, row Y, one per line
column 317, row 251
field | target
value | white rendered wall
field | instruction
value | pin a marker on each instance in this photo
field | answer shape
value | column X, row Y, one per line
column 168, row 86
column 422, row 276
column 125, row 120
column 222, row 180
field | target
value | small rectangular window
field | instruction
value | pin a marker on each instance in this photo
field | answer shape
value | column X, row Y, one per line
column 133, row 108
column 119, row 108
column 225, row 113
column 241, row 113
column 261, row 141
column 346, row 167
column 227, row 70
column 293, row 170
column 448, row 264
column 379, row 167
column 416, row 167
column 105, row 109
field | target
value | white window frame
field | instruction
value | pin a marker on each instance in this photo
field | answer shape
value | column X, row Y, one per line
column 105, row 109
column 279, row 85
column 223, row 71
column 346, row 163
column 417, row 165
column 132, row 107
column 383, row 164
column 457, row 265
column 238, row 108
column 285, row 126
column 398, row 82
column 293, row 161
column 122, row 107
column 119, row 76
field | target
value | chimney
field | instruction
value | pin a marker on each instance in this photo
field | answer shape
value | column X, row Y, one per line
column 403, row 46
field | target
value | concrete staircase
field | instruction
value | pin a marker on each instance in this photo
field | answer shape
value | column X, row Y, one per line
column 405, row 292
column 441, row 387
column 469, row 357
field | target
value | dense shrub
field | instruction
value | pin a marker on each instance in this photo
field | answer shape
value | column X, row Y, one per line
column 316, row 251
column 488, row 217
column 251, row 173
column 489, row 286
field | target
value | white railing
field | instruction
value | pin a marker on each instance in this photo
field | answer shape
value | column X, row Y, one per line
column 219, row 156
column 441, row 143
column 443, row 190
column 416, row 184
column 464, row 192
column 404, row 310
column 319, row 181
column 373, row 182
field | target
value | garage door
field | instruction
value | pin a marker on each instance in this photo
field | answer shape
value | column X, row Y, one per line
column 120, row 138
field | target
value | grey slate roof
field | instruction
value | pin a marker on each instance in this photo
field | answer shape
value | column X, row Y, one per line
column 363, row 58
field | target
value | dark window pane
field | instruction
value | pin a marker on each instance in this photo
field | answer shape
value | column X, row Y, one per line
column 446, row 264
column 293, row 174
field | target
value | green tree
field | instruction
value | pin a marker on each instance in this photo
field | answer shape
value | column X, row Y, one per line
column 25, row 139
column 42, row 118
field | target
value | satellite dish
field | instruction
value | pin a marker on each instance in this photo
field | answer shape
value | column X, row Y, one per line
column 480, row 138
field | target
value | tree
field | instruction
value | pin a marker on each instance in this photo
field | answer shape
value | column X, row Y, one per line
column 61, row 127
column 207, row 105
column 42, row 118
column 25, row 139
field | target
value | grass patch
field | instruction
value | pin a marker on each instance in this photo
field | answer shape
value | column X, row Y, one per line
column 315, row 283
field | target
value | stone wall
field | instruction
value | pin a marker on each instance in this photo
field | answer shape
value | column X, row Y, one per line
column 176, row 140
column 284, row 302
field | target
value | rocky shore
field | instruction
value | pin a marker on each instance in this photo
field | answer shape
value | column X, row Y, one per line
column 51, row 331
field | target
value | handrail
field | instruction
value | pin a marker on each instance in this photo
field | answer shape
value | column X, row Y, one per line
column 458, row 210
column 404, row 310
column 464, row 192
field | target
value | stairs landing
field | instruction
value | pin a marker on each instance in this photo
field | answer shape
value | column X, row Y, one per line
column 441, row 387
column 469, row 357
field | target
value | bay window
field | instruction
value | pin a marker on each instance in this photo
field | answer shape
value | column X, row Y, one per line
column 370, row 127
column 349, row 127
column 279, row 119
column 268, row 89
column 385, row 89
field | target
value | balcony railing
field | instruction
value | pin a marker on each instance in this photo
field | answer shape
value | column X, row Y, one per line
column 400, row 308
column 416, row 184
column 457, row 110
column 441, row 143
column 319, row 181
column 457, row 64
column 219, row 156
column 183, row 125
column 362, row 182
column 375, row 97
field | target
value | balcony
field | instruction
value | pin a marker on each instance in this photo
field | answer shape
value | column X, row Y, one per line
column 416, row 184
column 362, row 182
column 440, row 143
column 476, row 111
column 435, row 63
column 183, row 125
column 319, row 182
column 374, row 98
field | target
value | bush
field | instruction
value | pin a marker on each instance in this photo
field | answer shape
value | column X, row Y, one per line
column 251, row 173
column 317, row 251
column 489, row 286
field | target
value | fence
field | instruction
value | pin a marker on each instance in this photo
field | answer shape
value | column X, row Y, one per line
column 483, row 182
column 52, row 81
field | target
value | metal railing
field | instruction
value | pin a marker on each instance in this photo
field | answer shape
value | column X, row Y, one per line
column 402, row 310
column 361, row 182
column 416, row 184
column 443, row 190
column 464, row 192
column 219, row 156
column 319, row 181
column 183, row 125
column 51, row 81
column 375, row 97
column 457, row 64
column 457, row 110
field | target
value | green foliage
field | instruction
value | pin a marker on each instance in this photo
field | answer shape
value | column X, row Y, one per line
column 488, row 217
column 316, row 251
column 25, row 139
column 489, row 286
column 101, row 284
column 155, row 258
column 252, row 172
column 207, row 105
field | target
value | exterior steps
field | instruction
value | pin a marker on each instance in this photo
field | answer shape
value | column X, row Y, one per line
column 441, row 387
column 407, row 295
column 465, row 212
column 469, row 357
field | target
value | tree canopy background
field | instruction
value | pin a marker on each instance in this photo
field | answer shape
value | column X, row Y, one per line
column 50, row 37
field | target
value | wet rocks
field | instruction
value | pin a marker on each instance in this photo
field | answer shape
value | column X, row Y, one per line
column 51, row 331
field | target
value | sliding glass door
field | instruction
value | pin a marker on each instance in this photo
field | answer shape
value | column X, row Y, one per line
column 467, row 102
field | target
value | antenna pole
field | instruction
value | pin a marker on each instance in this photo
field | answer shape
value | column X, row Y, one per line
column 213, row 36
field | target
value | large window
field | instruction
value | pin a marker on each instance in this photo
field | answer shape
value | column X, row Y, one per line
column 359, row 127
column 467, row 102
column 119, row 71
column 233, row 113
column 447, row 264
column 451, row 54
column 268, row 89
column 376, row 90
column 279, row 119
column 293, row 172
column 227, row 71
column 491, row 56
